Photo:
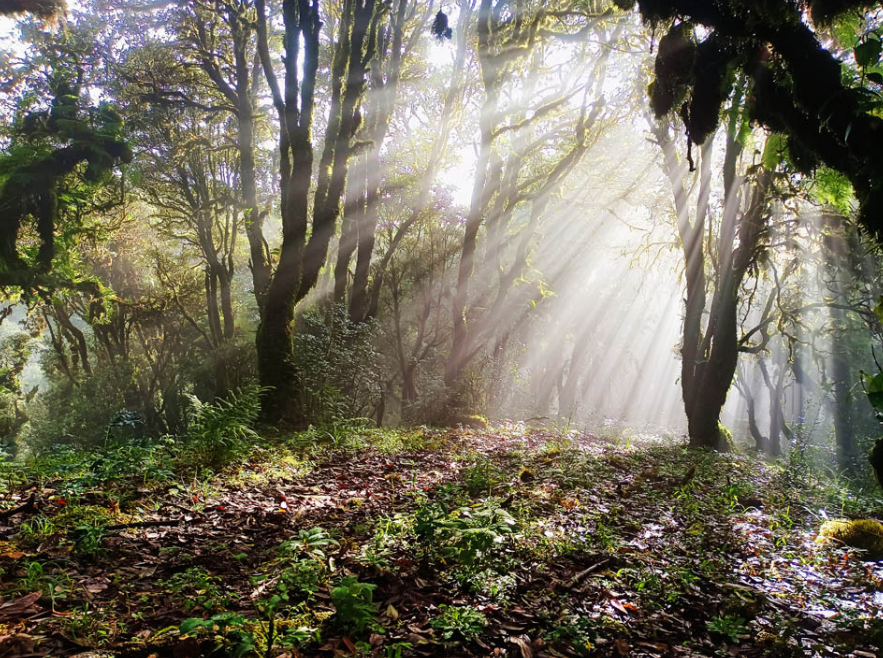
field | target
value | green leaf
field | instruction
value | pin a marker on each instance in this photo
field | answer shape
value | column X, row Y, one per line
column 874, row 389
column 773, row 151
column 878, row 309
column 868, row 52
column 190, row 625
column 875, row 77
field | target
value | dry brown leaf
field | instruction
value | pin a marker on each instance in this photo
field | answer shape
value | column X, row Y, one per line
column 524, row 645
column 20, row 606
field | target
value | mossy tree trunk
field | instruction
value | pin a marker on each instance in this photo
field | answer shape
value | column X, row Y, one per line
column 304, row 214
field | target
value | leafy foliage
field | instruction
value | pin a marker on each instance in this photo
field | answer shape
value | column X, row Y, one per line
column 219, row 430
column 354, row 604
column 58, row 159
column 336, row 368
column 458, row 623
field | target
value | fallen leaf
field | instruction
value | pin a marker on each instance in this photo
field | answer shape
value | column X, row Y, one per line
column 95, row 585
column 524, row 645
column 20, row 606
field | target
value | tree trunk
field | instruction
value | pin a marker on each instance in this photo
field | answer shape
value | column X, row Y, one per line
column 259, row 258
column 760, row 441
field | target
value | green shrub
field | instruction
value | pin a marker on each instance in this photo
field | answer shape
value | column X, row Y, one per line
column 198, row 589
column 727, row 627
column 458, row 623
column 312, row 542
column 337, row 367
column 354, row 603
column 77, row 415
column 466, row 535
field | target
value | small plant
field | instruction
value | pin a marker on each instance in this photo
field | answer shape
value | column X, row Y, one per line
column 494, row 585
column 93, row 627
column 729, row 627
column 473, row 532
column 198, row 589
column 88, row 539
column 458, row 623
column 466, row 535
column 36, row 531
column 231, row 630
column 354, row 603
column 302, row 577
column 55, row 583
column 579, row 632
column 218, row 431
column 479, row 478
column 312, row 542
column 395, row 650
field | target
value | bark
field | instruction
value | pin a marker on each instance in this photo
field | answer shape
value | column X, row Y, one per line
column 258, row 251
column 63, row 318
column 839, row 270
column 567, row 405
column 760, row 441
column 775, row 390
column 349, row 231
column 365, row 224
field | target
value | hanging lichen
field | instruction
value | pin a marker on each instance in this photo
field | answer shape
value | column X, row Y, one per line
column 674, row 67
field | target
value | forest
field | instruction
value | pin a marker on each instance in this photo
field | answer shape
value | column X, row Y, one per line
column 441, row 328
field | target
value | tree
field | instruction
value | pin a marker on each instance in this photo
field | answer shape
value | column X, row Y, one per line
column 301, row 258
column 59, row 162
column 187, row 175
column 363, row 193
column 209, row 66
column 529, row 123
column 711, row 343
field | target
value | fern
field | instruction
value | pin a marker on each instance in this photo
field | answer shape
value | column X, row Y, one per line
column 217, row 431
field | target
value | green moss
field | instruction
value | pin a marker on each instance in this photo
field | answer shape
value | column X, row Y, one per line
column 725, row 438
column 474, row 421
column 864, row 534
column 77, row 515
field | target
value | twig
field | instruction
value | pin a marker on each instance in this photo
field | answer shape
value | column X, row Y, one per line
column 146, row 524
column 585, row 572
column 30, row 506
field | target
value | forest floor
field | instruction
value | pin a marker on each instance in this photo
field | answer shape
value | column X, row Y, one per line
column 502, row 542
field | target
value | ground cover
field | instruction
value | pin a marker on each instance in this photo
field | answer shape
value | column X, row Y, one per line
column 508, row 541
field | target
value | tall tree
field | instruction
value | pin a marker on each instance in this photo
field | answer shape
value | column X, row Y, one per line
column 509, row 37
column 211, row 65
column 301, row 258
column 711, row 333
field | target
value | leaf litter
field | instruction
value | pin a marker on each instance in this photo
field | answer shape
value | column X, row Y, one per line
column 504, row 542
